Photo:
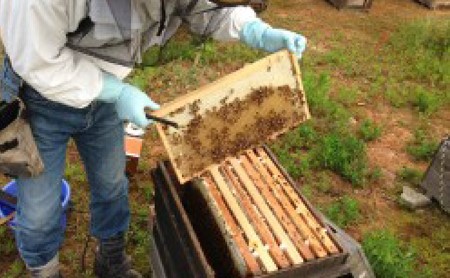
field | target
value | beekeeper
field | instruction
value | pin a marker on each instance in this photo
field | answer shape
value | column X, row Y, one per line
column 70, row 57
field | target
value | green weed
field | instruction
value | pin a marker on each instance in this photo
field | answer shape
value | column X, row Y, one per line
column 388, row 257
column 296, row 164
column 375, row 174
column 426, row 101
column 397, row 96
column 202, row 52
column 329, row 143
column 303, row 137
column 410, row 175
column 306, row 135
column 70, row 257
column 176, row 50
column 141, row 76
column 422, row 147
column 320, row 103
column 7, row 244
column 347, row 95
column 323, row 183
column 317, row 88
column 434, row 251
column 417, row 60
column 423, row 50
column 369, row 131
column 232, row 52
column 139, row 237
column 16, row 269
column 148, row 191
column 291, row 150
column 336, row 57
column 344, row 211
column 75, row 172
column 307, row 191
column 344, row 154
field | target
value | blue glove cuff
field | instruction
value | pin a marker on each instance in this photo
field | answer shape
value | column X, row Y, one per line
column 252, row 33
column 112, row 88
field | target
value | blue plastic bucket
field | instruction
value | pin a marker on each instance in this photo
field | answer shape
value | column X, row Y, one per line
column 11, row 188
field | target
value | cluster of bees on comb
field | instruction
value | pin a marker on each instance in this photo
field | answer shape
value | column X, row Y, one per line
column 234, row 125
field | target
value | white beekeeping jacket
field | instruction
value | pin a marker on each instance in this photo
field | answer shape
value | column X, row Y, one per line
column 65, row 66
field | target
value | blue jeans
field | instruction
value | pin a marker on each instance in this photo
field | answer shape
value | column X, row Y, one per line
column 99, row 137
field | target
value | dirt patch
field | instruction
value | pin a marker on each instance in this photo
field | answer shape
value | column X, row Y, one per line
column 389, row 151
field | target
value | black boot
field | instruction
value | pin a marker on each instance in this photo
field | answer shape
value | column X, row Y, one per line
column 111, row 261
column 50, row 270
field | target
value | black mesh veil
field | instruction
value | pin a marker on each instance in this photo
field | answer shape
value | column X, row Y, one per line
column 126, row 23
column 119, row 31
column 122, row 14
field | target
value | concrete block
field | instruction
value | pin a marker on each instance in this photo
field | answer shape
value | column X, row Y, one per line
column 414, row 199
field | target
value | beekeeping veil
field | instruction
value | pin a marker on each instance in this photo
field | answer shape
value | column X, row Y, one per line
column 119, row 24
column 119, row 31
column 230, row 2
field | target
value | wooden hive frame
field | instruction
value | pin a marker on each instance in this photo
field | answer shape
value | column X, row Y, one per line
column 264, row 214
column 276, row 70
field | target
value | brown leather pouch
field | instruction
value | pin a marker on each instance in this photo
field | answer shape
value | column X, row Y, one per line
column 19, row 156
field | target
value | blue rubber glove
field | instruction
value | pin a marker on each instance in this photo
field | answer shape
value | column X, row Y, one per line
column 130, row 101
column 259, row 34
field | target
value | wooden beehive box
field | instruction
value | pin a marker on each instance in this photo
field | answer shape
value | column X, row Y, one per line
column 267, row 223
column 234, row 113
column 361, row 4
column 434, row 4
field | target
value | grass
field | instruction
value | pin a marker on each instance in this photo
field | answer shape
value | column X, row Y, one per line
column 321, row 104
column 323, row 182
column 139, row 239
column 344, row 154
column 291, row 151
column 422, row 147
column 347, row 96
column 325, row 143
column 16, row 269
column 410, row 175
column 420, row 52
column 388, row 257
column 301, row 150
column 344, row 211
column 297, row 164
column 369, row 131
column 141, row 77
column 75, row 172
column 434, row 251
column 424, row 48
column 426, row 101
